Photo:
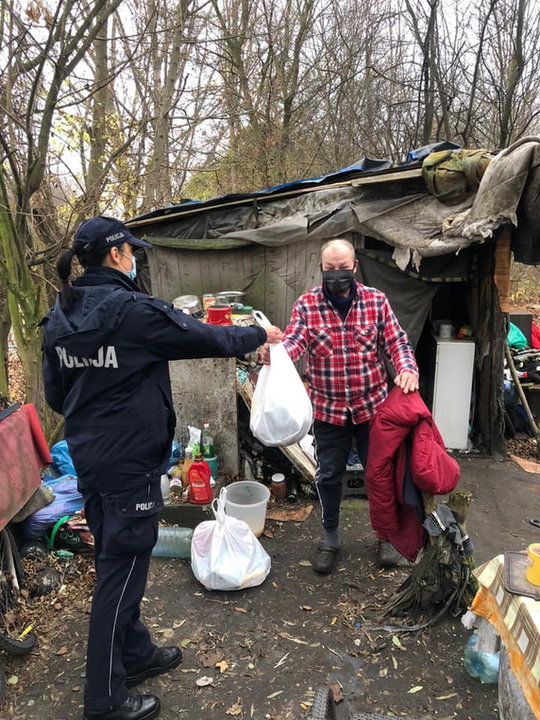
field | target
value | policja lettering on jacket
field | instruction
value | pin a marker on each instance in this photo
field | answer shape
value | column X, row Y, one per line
column 106, row 357
column 144, row 506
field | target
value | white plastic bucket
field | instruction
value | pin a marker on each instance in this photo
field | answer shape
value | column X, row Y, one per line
column 247, row 501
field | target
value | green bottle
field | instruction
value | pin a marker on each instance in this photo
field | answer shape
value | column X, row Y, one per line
column 207, row 441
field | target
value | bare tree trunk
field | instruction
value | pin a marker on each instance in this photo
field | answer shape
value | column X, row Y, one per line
column 469, row 118
column 29, row 98
column 171, row 65
column 98, row 129
column 429, row 48
column 5, row 326
column 513, row 77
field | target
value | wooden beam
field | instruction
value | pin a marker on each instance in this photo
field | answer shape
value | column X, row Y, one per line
column 390, row 176
column 501, row 275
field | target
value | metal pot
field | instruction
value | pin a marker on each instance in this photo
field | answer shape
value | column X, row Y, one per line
column 190, row 304
column 229, row 297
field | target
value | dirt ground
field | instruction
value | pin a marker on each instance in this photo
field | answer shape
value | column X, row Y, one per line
column 267, row 649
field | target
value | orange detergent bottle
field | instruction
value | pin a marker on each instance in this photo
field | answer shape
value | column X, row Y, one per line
column 200, row 492
column 188, row 462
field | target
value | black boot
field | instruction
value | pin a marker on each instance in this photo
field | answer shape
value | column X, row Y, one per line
column 134, row 707
column 163, row 660
column 326, row 558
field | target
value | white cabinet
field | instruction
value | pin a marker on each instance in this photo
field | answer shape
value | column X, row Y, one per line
column 452, row 391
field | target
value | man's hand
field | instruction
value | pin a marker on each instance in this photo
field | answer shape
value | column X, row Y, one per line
column 273, row 334
column 407, row 381
column 264, row 354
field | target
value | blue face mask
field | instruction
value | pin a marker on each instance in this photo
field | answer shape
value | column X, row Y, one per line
column 132, row 274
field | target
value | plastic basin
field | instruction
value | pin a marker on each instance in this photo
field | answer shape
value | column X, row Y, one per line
column 247, row 501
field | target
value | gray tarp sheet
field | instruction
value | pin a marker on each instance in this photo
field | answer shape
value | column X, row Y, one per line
column 410, row 222
column 410, row 298
column 270, row 249
column 401, row 214
column 509, row 193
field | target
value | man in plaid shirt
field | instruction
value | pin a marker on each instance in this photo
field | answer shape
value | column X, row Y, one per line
column 342, row 327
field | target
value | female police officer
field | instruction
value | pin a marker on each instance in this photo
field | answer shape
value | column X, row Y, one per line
column 105, row 352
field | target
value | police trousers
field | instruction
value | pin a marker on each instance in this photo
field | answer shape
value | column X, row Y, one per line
column 125, row 527
column 332, row 448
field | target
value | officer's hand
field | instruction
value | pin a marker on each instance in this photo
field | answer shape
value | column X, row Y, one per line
column 407, row 381
column 264, row 354
column 273, row 334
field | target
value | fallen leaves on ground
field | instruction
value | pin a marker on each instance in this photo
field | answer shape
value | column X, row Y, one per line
column 222, row 665
column 211, row 658
column 235, row 709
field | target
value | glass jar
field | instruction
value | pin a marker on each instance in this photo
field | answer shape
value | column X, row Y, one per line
column 278, row 488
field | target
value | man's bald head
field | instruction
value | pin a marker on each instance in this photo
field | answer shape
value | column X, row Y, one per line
column 337, row 253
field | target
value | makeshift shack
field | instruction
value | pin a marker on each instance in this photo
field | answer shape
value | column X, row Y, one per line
column 435, row 234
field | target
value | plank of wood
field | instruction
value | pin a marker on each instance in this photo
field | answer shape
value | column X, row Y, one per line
column 389, row 176
column 528, row 465
column 501, row 275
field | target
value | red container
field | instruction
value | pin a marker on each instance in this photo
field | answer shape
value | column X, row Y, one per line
column 200, row 492
column 219, row 315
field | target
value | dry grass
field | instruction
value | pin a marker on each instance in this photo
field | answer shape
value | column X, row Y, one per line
column 15, row 376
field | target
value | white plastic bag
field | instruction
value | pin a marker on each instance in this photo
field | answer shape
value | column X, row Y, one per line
column 225, row 554
column 281, row 412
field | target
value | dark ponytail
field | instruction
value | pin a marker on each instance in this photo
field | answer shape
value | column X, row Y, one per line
column 63, row 268
column 86, row 257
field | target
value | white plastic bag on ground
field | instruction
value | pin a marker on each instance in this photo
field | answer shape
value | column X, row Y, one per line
column 281, row 412
column 225, row 554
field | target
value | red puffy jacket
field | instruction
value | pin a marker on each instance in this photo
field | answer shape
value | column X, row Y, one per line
column 432, row 469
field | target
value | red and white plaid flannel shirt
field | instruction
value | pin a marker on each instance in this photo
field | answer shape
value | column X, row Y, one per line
column 344, row 366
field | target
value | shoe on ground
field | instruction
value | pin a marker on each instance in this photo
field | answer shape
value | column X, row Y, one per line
column 388, row 555
column 134, row 707
column 163, row 660
column 326, row 558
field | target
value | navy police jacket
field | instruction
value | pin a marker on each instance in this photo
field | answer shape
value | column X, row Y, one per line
column 105, row 366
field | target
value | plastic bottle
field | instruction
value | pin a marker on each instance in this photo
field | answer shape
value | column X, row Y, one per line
column 200, row 491
column 185, row 468
column 165, row 489
column 175, row 470
column 212, row 463
column 176, row 450
column 483, row 665
column 173, row 542
column 207, row 441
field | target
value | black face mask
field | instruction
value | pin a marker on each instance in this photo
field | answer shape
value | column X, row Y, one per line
column 337, row 282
